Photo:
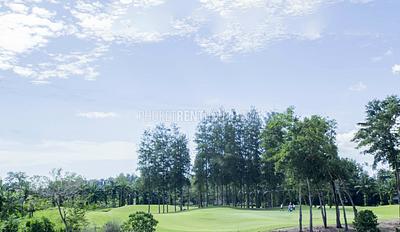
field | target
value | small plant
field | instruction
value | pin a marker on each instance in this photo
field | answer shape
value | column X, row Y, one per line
column 39, row 225
column 112, row 227
column 366, row 221
column 140, row 222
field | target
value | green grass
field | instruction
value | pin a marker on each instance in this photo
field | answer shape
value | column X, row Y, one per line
column 221, row 219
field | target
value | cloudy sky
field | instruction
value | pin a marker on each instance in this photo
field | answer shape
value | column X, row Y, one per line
column 81, row 80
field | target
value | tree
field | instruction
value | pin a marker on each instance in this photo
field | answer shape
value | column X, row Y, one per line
column 251, row 150
column 140, row 222
column 274, row 135
column 386, row 184
column 65, row 189
column 379, row 134
column 17, row 184
column 164, row 163
column 180, row 160
column 306, row 155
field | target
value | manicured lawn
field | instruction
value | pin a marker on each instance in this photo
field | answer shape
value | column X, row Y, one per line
column 221, row 219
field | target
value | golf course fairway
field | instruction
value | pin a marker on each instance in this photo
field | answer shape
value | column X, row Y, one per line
column 221, row 219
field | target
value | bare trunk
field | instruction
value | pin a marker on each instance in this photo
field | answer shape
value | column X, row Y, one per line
column 247, row 196
column 148, row 203
column 310, row 204
column 272, row 199
column 188, row 201
column 351, row 201
column 175, row 199
column 63, row 219
column 159, row 206
column 322, row 206
column 338, row 223
column 163, row 203
column 397, row 173
column 346, row 227
column 300, row 211
column 181, row 202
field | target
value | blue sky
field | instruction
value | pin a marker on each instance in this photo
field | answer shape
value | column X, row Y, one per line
column 77, row 77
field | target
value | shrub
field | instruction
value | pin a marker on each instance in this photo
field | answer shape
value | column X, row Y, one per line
column 76, row 219
column 366, row 221
column 112, row 227
column 39, row 225
column 140, row 222
column 10, row 225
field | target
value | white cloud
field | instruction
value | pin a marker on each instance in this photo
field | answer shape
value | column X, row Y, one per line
column 347, row 149
column 222, row 28
column 97, row 115
column 396, row 69
column 23, row 31
column 15, row 156
column 360, row 86
column 243, row 26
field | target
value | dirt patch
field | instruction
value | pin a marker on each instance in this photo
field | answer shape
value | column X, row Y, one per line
column 386, row 226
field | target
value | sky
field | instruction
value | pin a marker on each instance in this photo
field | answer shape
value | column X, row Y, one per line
column 81, row 80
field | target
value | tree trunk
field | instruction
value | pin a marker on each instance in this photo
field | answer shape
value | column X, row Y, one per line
column 397, row 173
column 148, row 203
column 351, row 201
column 247, row 196
column 300, row 211
column 163, row 202
column 323, row 213
column 310, row 204
column 200, row 199
column 272, row 199
column 188, row 201
column 159, row 206
column 175, row 199
column 207, row 188
column 63, row 218
column 346, row 227
column 181, row 201
column 338, row 224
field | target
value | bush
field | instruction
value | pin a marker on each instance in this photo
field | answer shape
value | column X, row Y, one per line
column 366, row 221
column 76, row 219
column 112, row 227
column 10, row 225
column 39, row 225
column 140, row 222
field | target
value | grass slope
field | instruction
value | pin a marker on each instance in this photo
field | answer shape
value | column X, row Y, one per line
column 221, row 219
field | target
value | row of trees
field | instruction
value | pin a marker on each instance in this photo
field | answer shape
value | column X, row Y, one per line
column 241, row 160
column 244, row 160
column 21, row 196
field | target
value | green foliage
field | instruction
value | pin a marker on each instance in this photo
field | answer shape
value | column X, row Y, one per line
column 366, row 221
column 9, row 225
column 39, row 225
column 75, row 217
column 140, row 222
column 112, row 227
column 310, row 150
column 376, row 134
column 164, row 160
